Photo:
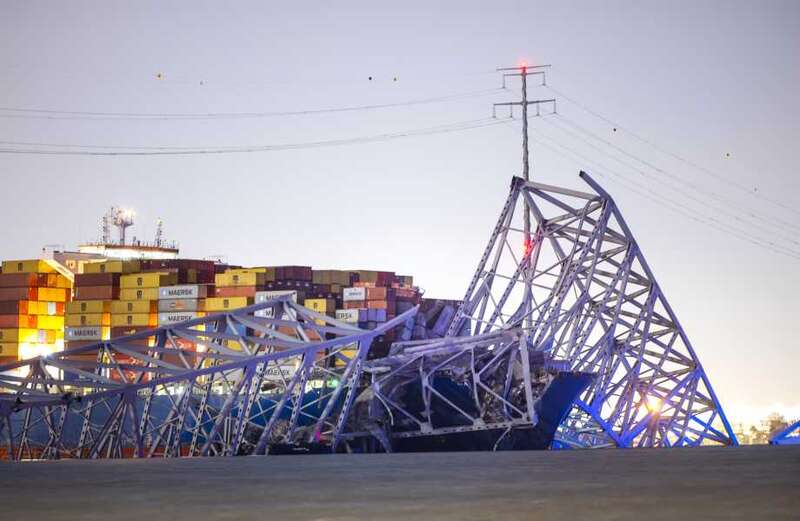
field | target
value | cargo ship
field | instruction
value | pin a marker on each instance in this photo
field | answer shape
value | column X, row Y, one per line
column 119, row 286
column 114, row 289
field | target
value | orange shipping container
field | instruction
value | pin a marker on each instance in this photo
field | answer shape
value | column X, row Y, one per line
column 235, row 291
column 376, row 293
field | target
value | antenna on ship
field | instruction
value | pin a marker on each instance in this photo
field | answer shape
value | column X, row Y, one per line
column 123, row 219
column 105, row 226
column 159, row 231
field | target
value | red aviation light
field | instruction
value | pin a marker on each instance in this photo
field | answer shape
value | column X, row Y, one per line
column 528, row 246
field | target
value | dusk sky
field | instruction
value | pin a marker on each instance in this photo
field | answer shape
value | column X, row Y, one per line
column 699, row 111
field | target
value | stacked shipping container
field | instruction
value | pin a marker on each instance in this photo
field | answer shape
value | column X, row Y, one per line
column 32, row 299
column 89, row 316
column 114, row 298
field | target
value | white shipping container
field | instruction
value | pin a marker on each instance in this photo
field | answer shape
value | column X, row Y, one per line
column 264, row 296
column 174, row 318
column 192, row 291
column 84, row 333
column 350, row 294
column 179, row 305
column 347, row 315
column 279, row 373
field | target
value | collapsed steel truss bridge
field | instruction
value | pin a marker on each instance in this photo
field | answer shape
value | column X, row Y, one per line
column 573, row 294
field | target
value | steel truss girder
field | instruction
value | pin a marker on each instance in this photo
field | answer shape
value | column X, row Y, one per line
column 225, row 384
column 582, row 291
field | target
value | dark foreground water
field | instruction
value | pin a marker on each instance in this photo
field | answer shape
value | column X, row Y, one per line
column 678, row 484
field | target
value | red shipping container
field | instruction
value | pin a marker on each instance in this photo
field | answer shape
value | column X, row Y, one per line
column 385, row 278
column 97, row 293
column 21, row 321
column 13, row 307
column 18, row 294
column 298, row 273
column 355, row 304
column 380, row 293
column 23, row 280
column 97, row 279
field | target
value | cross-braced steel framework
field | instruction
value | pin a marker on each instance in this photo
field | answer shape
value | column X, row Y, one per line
column 265, row 377
column 582, row 291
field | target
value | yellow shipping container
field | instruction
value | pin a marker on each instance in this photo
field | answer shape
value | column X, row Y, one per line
column 224, row 304
column 248, row 278
column 148, row 280
column 33, row 336
column 88, row 306
column 50, row 322
column 52, row 294
column 135, row 319
column 27, row 266
column 133, row 306
column 18, row 335
column 113, row 266
column 9, row 349
column 25, row 350
column 34, row 307
column 88, row 319
column 349, row 353
column 340, row 277
column 269, row 272
column 320, row 305
column 138, row 294
column 56, row 280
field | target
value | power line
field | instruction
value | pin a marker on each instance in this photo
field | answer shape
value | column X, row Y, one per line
column 53, row 114
column 747, row 190
column 790, row 235
column 108, row 150
column 661, row 200
column 676, row 178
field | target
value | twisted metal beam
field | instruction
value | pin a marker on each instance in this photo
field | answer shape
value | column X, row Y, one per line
column 583, row 292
